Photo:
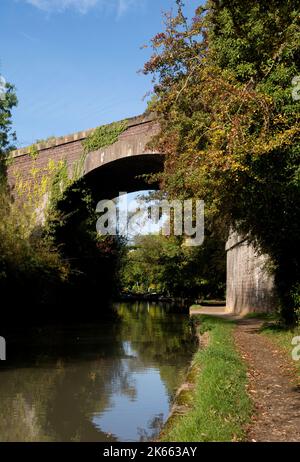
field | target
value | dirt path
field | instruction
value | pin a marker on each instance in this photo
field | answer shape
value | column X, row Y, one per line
column 272, row 386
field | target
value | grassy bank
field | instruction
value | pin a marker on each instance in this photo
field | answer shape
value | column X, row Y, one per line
column 219, row 404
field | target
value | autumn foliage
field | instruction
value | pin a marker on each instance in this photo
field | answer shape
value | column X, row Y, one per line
column 223, row 91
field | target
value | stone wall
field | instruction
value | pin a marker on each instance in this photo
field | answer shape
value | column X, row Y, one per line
column 249, row 286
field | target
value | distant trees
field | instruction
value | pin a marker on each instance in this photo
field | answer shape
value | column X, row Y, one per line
column 162, row 264
column 229, row 112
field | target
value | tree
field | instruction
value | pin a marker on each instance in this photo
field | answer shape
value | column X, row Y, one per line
column 230, row 126
column 93, row 259
column 163, row 264
column 8, row 100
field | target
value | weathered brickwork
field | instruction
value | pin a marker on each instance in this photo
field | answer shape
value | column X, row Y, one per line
column 250, row 288
column 23, row 163
column 132, row 141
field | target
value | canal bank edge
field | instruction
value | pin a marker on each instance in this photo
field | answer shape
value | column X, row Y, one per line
column 182, row 402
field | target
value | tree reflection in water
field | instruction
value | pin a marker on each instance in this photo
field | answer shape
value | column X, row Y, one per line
column 95, row 382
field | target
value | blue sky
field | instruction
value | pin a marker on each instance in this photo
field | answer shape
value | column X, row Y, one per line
column 75, row 62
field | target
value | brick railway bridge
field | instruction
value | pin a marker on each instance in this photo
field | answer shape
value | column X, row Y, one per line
column 108, row 170
column 119, row 167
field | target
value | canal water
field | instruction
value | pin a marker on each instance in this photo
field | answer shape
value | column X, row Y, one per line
column 109, row 381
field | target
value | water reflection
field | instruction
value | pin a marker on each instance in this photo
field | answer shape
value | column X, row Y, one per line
column 105, row 382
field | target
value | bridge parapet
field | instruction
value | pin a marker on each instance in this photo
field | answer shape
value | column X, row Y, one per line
column 133, row 141
column 53, row 142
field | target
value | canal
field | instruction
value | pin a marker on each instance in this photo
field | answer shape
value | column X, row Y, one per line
column 108, row 381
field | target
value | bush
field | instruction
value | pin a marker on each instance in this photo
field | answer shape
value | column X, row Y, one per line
column 31, row 268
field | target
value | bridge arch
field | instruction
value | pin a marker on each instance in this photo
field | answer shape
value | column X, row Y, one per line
column 127, row 174
column 112, row 169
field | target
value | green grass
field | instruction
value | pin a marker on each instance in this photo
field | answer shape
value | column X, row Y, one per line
column 220, row 404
